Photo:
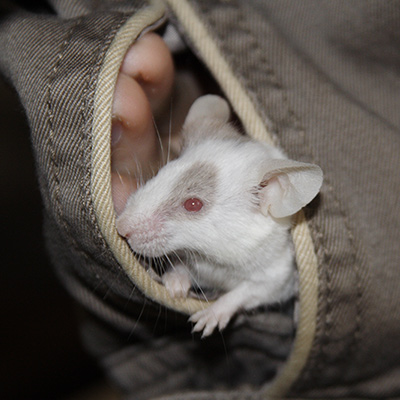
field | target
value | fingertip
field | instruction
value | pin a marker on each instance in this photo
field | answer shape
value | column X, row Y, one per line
column 130, row 104
column 150, row 63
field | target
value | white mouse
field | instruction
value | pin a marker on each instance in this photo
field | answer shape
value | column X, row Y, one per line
column 222, row 213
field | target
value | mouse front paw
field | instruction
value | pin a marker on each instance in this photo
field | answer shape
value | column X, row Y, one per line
column 207, row 320
column 177, row 283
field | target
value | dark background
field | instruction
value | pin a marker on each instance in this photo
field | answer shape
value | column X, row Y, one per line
column 41, row 355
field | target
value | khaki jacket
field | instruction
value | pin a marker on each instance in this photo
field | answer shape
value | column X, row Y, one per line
column 319, row 79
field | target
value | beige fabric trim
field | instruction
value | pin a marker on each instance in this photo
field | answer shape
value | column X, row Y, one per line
column 101, row 158
column 307, row 264
column 255, row 127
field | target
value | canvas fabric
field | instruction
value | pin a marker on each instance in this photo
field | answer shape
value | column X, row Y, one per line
column 318, row 78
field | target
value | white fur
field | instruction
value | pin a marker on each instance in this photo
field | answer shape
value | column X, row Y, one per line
column 239, row 243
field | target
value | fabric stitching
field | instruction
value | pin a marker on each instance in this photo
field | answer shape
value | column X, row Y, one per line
column 54, row 167
column 325, row 333
column 355, row 335
column 87, row 149
column 329, row 283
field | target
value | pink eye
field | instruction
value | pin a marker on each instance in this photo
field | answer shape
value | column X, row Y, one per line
column 193, row 205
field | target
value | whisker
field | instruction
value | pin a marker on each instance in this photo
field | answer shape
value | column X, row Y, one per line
column 139, row 173
column 194, row 279
column 158, row 137
column 153, row 171
column 169, row 261
column 119, row 176
column 138, row 319
column 169, row 131
column 157, row 319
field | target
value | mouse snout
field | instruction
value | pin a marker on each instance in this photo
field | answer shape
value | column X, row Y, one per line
column 123, row 227
column 144, row 234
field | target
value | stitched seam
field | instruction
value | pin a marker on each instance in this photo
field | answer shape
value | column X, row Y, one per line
column 87, row 135
column 325, row 326
column 54, row 167
column 352, row 344
column 355, row 334
column 322, row 241
column 359, row 292
column 86, row 154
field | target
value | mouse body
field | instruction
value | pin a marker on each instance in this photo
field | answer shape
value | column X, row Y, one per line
column 221, row 212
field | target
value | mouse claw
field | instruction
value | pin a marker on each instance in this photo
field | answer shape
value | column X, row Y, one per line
column 207, row 320
column 203, row 323
column 199, row 326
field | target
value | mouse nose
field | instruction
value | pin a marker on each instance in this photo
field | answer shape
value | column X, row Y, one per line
column 144, row 234
column 124, row 227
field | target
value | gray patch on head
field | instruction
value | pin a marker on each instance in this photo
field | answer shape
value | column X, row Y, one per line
column 199, row 181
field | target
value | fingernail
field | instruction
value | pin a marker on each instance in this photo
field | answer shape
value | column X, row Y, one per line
column 116, row 131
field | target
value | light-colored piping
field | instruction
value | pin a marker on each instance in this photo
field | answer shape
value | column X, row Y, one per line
column 101, row 158
column 255, row 127
column 307, row 264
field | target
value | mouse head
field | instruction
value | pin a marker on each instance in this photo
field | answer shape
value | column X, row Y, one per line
column 222, row 196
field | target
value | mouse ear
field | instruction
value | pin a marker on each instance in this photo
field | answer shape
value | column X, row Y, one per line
column 287, row 186
column 208, row 107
